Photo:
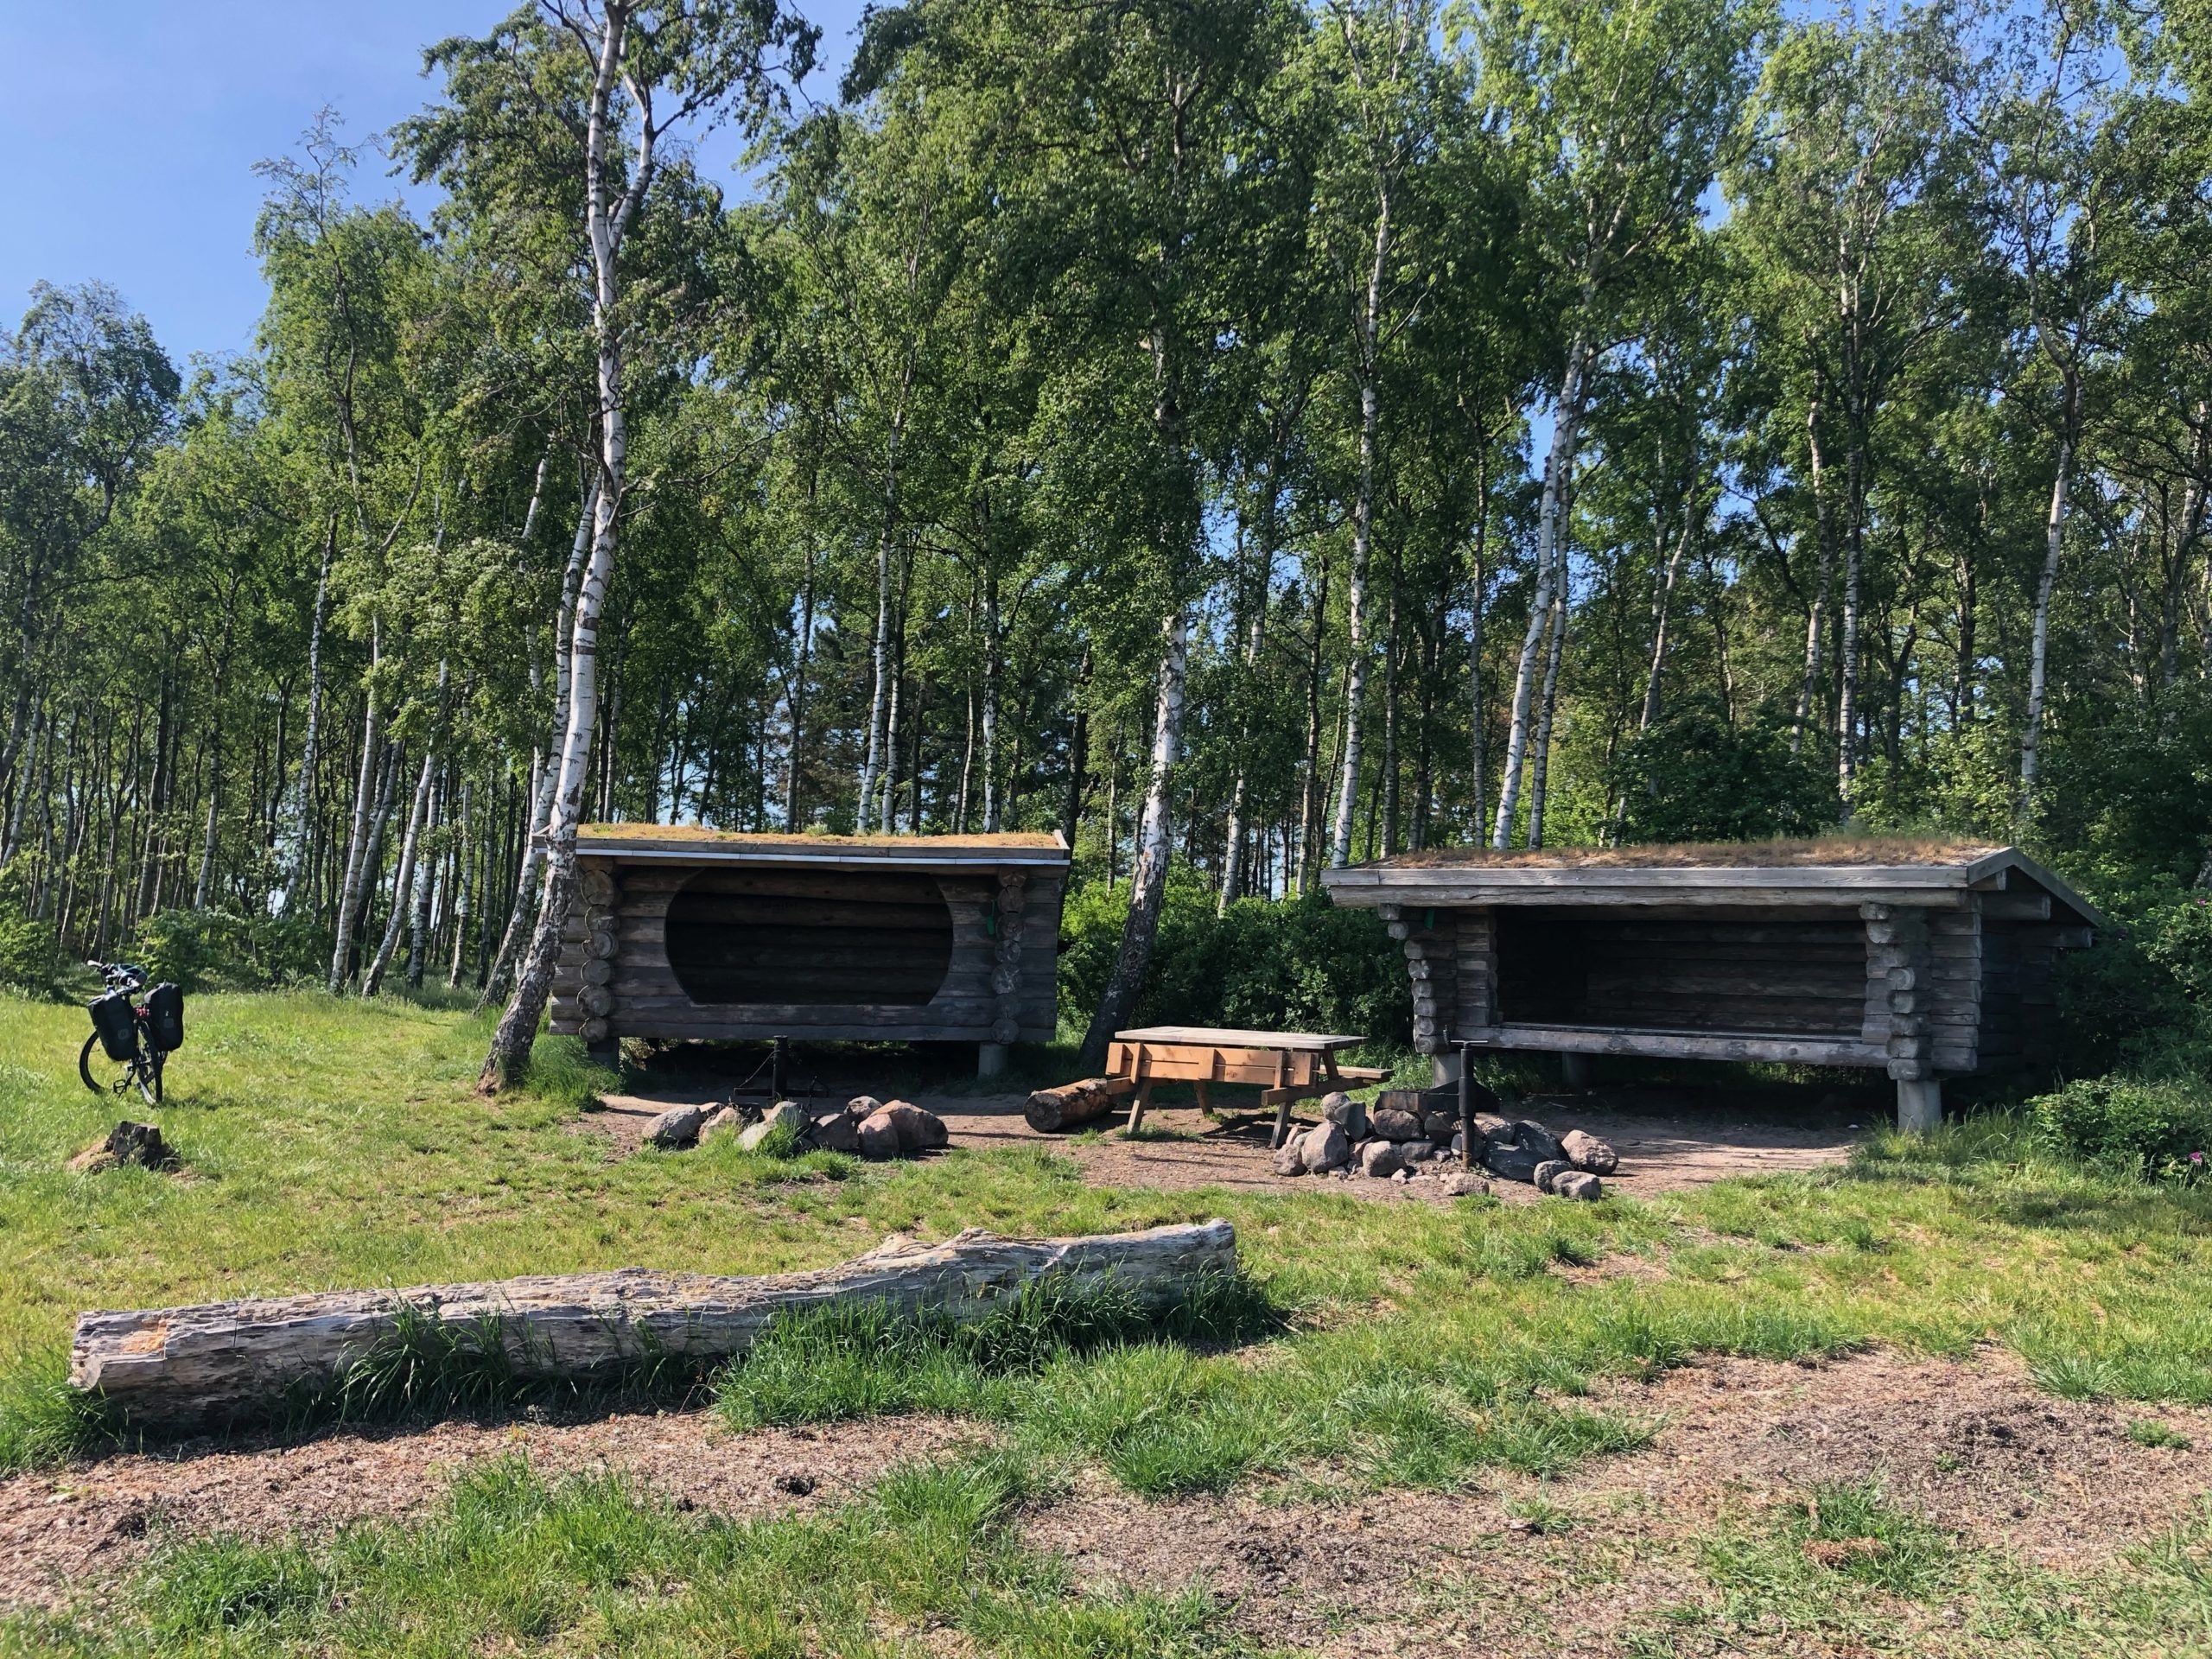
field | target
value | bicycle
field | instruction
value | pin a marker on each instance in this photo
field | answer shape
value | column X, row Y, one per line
column 132, row 1039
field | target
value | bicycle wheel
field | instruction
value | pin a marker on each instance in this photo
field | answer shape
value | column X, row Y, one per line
column 85, row 1064
column 146, row 1072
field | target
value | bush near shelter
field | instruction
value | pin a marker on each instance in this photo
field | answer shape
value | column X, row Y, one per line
column 1297, row 964
column 2147, row 1126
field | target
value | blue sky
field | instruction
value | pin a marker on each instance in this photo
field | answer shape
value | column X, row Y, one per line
column 135, row 127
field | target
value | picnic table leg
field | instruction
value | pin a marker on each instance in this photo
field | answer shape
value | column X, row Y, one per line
column 1199, row 1088
column 1136, row 1112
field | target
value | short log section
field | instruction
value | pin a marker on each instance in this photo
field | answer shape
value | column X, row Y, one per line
column 179, row 1367
column 1050, row 1111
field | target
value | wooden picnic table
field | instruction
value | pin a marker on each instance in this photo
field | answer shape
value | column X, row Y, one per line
column 1288, row 1065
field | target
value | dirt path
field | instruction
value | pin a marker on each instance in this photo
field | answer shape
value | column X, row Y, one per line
column 1970, row 1445
column 1667, row 1138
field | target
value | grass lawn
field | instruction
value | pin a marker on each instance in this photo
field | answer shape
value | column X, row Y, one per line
column 328, row 1144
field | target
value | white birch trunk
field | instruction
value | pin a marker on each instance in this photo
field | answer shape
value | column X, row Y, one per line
column 403, row 884
column 1148, row 882
column 303, row 801
column 517, row 1028
column 349, row 889
column 1524, row 682
column 1816, row 617
column 542, row 776
column 2039, row 641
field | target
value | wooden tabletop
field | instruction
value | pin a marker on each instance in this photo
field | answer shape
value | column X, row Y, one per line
column 1205, row 1037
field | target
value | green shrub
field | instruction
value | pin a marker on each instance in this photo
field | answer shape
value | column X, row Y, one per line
column 1697, row 777
column 30, row 955
column 215, row 950
column 1265, row 964
column 2140, row 1125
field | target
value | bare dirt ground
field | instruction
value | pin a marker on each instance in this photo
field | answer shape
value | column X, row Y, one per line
column 94, row 1521
column 1969, row 1445
column 1667, row 1138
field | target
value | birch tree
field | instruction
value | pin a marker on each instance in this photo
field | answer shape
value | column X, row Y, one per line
column 642, row 73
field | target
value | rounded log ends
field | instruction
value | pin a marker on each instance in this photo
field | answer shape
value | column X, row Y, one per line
column 597, row 886
column 598, row 971
column 596, row 1032
column 596, row 1001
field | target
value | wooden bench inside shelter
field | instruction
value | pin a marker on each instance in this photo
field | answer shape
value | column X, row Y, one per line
column 1287, row 1066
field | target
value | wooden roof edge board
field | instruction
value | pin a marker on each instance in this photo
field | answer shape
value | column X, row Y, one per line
column 884, row 852
column 690, row 834
column 2007, row 859
column 1938, row 876
column 1374, row 883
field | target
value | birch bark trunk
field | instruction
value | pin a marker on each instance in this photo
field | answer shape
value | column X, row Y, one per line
column 1540, row 770
column 606, row 225
column 303, row 814
column 2039, row 640
column 349, row 888
column 544, row 778
column 1662, row 605
column 1557, row 464
column 403, row 881
column 464, row 888
column 1148, row 881
column 1816, row 617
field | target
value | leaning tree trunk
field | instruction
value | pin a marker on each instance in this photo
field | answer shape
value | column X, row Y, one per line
column 1540, row 770
column 302, row 825
column 1817, row 613
column 1148, row 882
column 2039, row 639
column 234, row 1362
column 357, row 844
column 544, row 776
column 608, row 224
column 1556, row 465
column 402, row 882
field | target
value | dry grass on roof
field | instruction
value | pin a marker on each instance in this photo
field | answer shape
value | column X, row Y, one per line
column 1889, row 850
column 686, row 833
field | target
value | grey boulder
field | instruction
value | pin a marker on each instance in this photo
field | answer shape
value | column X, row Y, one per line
column 1586, row 1151
column 1394, row 1125
column 1512, row 1163
column 1549, row 1170
column 678, row 1125
column 1326, row 1148
column 1532, row 1136
column 1347, row 1114
column 1380, row 1159
column 1577, row 1185
column 840, row 1133
column 1465, row 1184
column 1290, row 1157
column 784, row 1115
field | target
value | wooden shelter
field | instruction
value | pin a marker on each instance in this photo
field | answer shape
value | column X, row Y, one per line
column 702, row 933
column 1921, row 958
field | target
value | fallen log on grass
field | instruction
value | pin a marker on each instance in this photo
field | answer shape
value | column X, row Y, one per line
column 232, row 1361
column 1051, row 1110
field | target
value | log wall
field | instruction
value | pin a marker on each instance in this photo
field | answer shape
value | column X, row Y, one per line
column 854, row 951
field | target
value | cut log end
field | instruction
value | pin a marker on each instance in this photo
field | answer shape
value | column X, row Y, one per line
column 1052, row 1110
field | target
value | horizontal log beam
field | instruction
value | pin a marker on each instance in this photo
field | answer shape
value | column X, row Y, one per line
column 1686, row 1044
column 228, row 1361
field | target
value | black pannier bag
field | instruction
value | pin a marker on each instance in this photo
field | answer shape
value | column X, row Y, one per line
column 165, row 1017
column 113, row 1019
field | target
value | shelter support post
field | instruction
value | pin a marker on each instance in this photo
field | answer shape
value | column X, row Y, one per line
column 1574, row 1070
column 1920, row 1104
column 990, row 1059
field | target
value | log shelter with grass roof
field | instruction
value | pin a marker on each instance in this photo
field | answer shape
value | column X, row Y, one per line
column 1920, row 958
column 683, row 932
